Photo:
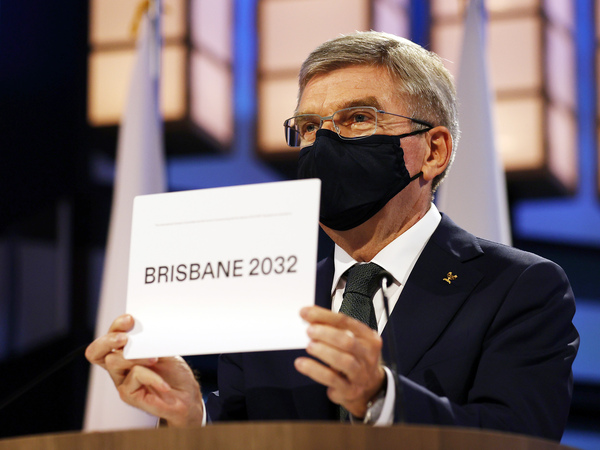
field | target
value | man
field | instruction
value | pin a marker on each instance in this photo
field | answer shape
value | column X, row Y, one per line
column 483, row 331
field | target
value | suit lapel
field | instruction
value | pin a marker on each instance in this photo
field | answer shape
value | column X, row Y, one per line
column 438, row 285
column 325, row 270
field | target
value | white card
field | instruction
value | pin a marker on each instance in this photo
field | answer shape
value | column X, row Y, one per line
column 222, row 270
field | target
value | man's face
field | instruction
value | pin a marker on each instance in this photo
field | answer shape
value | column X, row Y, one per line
column 373, row 86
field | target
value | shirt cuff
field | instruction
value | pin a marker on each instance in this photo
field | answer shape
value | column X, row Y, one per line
column 387, row 413
column 160, row 422
column 204, row 413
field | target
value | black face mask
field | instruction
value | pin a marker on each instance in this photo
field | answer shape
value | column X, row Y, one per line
column 358, row 177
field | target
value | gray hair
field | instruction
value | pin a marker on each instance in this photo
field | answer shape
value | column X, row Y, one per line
column 423, row 82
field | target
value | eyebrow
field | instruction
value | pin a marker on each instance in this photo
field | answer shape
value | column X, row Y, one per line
column 365, row 101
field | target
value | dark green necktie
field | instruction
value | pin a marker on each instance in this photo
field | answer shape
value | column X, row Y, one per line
column 361, row 285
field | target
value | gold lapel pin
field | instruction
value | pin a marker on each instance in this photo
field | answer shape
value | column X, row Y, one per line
column 450, row 278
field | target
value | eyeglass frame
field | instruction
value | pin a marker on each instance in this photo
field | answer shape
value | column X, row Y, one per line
column 287, row 128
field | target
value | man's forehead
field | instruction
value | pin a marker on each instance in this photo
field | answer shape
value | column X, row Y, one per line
column 347, row 87
column 349, row 103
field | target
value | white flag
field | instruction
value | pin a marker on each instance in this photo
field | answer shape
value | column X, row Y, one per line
column 474, row 194
column 140, row 169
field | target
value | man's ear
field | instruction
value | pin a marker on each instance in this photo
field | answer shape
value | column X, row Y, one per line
column 438, row 155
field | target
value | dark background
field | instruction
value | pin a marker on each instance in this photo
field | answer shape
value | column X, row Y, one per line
column 55, row 204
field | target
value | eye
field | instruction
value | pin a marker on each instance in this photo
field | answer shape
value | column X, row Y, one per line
column 309, row 127
column 364, row 115
column 360, row 117
column 355, row 116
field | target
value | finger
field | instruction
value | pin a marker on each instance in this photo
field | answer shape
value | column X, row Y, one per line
column 339, row 361
column 118, row 367
column 115, row 361
column 316, row 314
column 124, row 322
column 97, row 351
column 142, row 377
column 342, row 339
column 115, row 339
column 367, row 347
column 146, row 390
column 321, row 373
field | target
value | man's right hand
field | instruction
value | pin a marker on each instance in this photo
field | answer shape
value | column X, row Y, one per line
column 164, row 387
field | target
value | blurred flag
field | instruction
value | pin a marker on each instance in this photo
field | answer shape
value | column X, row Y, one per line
column 140, row 169
column 474, row 194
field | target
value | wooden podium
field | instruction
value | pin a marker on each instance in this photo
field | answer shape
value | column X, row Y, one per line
column 285, row 436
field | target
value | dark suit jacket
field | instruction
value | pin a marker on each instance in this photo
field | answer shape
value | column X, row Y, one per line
column 492, row 349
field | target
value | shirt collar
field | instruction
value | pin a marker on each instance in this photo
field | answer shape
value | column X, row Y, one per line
column 400, row 255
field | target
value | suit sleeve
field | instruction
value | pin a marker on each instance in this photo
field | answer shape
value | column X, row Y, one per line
column 523, row 379
column 229, row 402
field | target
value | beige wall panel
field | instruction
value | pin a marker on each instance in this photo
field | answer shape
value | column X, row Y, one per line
column 109, row 78
column 561, row 65
column 110, row 20
column 289, row 30
column 516, row 46
column 212, row 26
column 211, row 97
column 519, row 133
column 278, row 100
column 562, row 145
column 446, row 41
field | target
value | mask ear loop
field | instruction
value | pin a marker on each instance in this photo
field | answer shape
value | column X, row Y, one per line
column 414, row 177
column 413, row 133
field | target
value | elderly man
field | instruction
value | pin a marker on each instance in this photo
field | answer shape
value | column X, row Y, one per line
column 481, row 333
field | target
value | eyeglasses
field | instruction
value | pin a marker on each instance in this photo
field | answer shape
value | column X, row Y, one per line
column 349, row 123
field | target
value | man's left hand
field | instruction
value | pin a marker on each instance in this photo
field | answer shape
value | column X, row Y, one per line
column 351, row 353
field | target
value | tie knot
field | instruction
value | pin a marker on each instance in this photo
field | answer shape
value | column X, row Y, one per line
column 363, row 279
